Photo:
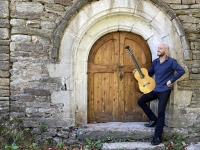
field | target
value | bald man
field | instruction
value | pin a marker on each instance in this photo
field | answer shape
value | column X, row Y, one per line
column 163, row 68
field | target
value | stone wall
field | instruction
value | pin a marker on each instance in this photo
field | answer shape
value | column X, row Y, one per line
column 26, row 88
column 32, row 26
column 4, row 57
column 188, row 12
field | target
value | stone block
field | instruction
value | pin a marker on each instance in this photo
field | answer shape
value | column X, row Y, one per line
column 4, row 10
column 25, row 15
column 188, row 2
column 56, row 122
column 4, row 57
column 4, row 42
column 33, row 23
column 37, row 92
column 20, row 38
column 189, row 19
column 55, row 8
column 4, row 23
column 4, row 98
column 29, row 46
column 29, row 7
column 5, row 65
column 17, row 22
column 4, row 32
column 4, row 93
column 4, row 81
column 64, row 2
column 45, row 1
column 4, row 49
column 172, row 1
column 195, row 6
column 4, row 74
column 32, row 31
column 48, row 25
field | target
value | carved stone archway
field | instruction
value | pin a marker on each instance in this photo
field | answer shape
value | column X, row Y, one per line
column 153, row 20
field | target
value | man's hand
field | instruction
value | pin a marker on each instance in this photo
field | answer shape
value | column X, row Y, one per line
column 134, row 71
column 169, row 84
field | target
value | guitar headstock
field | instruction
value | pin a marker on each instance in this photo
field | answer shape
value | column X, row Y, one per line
column 128, row 49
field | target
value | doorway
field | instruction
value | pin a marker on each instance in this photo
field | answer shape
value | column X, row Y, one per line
column 112, row 90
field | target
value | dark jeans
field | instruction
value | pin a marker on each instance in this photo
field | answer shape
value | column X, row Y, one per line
column 162, row 103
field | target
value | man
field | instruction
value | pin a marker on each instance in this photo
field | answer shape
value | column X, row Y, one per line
column 163, row 68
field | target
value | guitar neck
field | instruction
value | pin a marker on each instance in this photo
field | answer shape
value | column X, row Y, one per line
column 137, row 66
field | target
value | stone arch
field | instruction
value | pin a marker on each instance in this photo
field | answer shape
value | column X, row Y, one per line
column 58, row 34
column 101, row 17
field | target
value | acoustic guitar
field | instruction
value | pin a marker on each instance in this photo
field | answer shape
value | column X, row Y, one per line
column 145, row 82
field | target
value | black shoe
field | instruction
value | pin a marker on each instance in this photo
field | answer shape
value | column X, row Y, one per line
column 150, row 124
column 156, row 141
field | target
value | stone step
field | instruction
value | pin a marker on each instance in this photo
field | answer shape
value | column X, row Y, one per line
column 122, row 130
column 115, row 130
column 132, row 146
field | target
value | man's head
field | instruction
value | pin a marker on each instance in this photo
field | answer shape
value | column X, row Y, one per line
column 162, row 50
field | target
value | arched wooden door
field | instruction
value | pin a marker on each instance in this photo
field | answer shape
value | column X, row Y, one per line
column 112, row 90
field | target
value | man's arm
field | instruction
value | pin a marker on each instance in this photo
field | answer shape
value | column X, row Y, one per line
column 179, row 71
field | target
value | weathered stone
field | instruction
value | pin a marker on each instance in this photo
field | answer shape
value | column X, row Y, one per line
column 14, row 98
column 17, row 22
column 191, row 83
column 4, row 92
column 49, row 17
column 20, row 38
column 31, row 31
column 45, row 1
column 29, row 46
column 189, row 19
column 132, row 146
column 26, row 15
column 63, row 134
column 4, row 32
column 196, row 55
column 4, row 103
column 195, row 6
column 4, row 57
column 172, row 1
column 4, row 98
column 4, row 87
column 48, row 25
column 4, row 11
column 29, row 7
column 4, row 81
column 18, row 54
column 188, row 1
column 56, row 122
column 37, row 92
column 187, row 11
column 64, row 2
column 4, row 74
column 4, row 42
column 181, row 8
column 33, row 23
column 4, row 49
column 5, row 65
column 55, row 8
column 4, row 23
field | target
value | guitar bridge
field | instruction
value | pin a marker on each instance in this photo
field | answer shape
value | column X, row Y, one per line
column 146, row 84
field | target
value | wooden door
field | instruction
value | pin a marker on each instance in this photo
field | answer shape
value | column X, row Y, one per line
column 112, row 90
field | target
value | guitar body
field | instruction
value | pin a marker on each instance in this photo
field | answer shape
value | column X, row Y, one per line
column 146, row 84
